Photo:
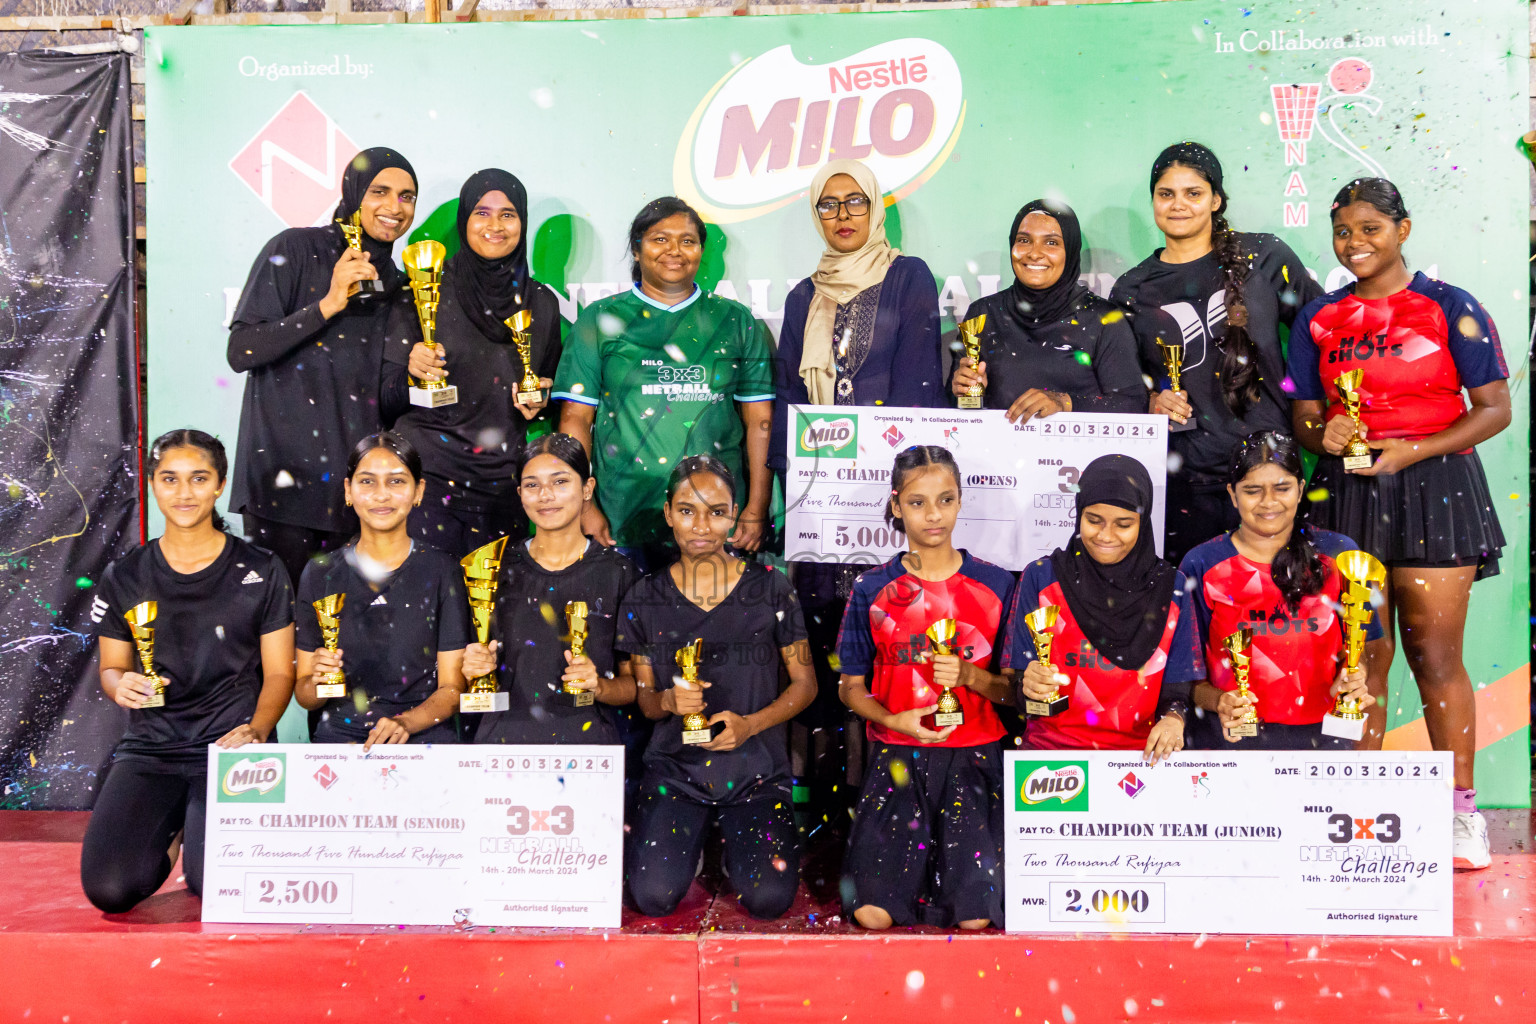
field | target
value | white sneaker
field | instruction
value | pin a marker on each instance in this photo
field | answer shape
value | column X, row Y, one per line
column 1469, row 842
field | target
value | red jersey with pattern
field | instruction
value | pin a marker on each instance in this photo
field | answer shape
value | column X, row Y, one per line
column 1417, row 348
column 1109, row 707
column 885, row 634
column 1294, row 657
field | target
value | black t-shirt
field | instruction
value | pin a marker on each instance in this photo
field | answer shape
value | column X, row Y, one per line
column 1090, row 354
column 1186, row 300
column 391, row 634
column 530, row 623
column 742, row 638
column 208, row 628
column 311, row 386
column 472, row 445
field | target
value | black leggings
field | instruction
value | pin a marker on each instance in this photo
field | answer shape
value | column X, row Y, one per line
column 762, row 851
column 141, row 807
column 1194, row 515
column 294, row 546
column 458, row 524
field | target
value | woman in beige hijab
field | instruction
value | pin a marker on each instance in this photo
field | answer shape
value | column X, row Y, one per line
column 862, row 330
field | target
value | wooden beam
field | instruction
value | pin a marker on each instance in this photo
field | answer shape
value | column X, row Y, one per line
column 434, row 11
column 466, row 11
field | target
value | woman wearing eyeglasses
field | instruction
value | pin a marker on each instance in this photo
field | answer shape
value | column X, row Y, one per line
column 863, row 329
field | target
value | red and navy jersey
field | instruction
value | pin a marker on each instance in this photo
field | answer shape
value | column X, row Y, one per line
column 1294, row 657
column 1418, row 347
column 1109, row 707
column 885, row 631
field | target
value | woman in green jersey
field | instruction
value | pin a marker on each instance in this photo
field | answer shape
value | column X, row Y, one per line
column 661, row 372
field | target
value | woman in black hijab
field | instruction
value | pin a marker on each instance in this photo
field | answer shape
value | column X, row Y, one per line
column 309, row 335
column 469, row 449
column 1125, row 646
column 1049, row 344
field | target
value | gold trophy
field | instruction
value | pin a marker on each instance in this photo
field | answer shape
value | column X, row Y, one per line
column 424, row 263
column 529, row 390
column 1173, row 362
column 941, row 637
column 482, row 572
column 1357, row 454
column 696, row 728
column 576, row 619
column 1040, row 622
column 1237, row 645
column 328, row 612
column 352, row 231
column 970, row 337
column 139, row 618
column 1360, row 570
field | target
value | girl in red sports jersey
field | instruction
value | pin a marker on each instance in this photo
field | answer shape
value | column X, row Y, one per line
column 1125, row 647
column 927, row 839
column 1275, row 576
column 1423, row 507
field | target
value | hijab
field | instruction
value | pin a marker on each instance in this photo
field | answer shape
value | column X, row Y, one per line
column 355, row 182
column 1032, row 308
column 489, row 291
column 839, row 277
column 1123, row 608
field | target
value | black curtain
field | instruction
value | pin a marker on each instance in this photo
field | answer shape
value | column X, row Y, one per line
column 69, row 416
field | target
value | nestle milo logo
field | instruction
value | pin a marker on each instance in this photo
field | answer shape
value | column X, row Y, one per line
column 1035, row 785
column 829, row 438
column 252, row 780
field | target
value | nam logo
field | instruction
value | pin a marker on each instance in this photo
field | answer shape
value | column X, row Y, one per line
column 1036, row 784
column 830, row 439
column 759, row 135
column 248, row 780
column 295, row 162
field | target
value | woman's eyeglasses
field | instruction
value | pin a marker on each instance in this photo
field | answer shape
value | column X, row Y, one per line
column 857, row 206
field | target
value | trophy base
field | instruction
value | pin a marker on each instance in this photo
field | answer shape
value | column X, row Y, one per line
column 945, row 719
column 1046, row 708
column 1245, row 730
column 1359, row 461
column 969, row 401
column 329, row 691
column 366, row 289
column 1175, row 427
column 433, row 398
column 539, row 397
column 1344, row 727
column 483, row 703
column 154, row 700
column 578, row 699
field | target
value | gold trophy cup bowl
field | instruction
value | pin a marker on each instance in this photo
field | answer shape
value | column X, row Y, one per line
column 424, row 266
column 576, row 621
column 328, row 613
column 1173, row 362
column 696, row 727
column 941, row 638
column 482, row 574
column 139, row 618
column 352, row 231
column 970, row 337
column 530, row 390
column 1360, row 572
column 1237, row 645
column 1357, row 454
column 1040, row 622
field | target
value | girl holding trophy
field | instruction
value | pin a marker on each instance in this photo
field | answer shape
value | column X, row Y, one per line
column 1108, row 621
column 918, row 650
column 196, row 637
column 557, row 608
column 1381, row 368
column 396, row 605
column 708, row 635
column 491, row 315
column 1047, row 344
column 1267, row 599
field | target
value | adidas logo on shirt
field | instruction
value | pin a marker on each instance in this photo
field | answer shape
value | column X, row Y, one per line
column 379, row 600
column 251, row 577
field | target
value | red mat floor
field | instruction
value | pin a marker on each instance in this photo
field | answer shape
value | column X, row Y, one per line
column 710, row 963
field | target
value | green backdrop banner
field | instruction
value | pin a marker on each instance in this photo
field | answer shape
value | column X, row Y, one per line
column 963, row 114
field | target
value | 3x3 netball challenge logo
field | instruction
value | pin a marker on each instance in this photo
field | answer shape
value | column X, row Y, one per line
column 758, row 137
